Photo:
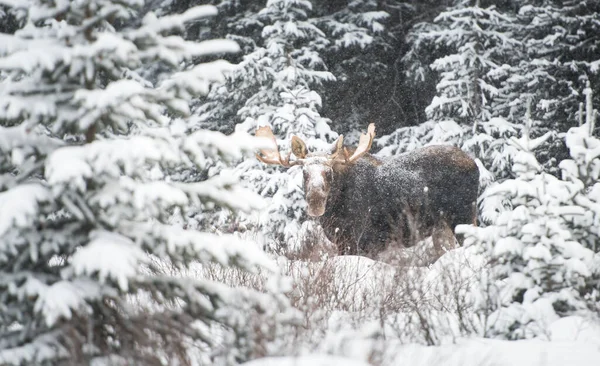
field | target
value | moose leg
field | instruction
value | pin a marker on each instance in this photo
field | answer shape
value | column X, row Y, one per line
column 443, row 237
column 471, row 219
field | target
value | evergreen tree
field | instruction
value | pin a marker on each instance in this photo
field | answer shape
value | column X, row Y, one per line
column 560, row 56
column 542, row 245
column 85, row 201
column 471, row 44
column 274, row 85
column 557, row 59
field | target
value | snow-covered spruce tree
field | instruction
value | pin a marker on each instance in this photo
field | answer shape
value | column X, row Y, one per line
column 84, row 145
column 558, row 58
column 540, row 246
column 560, row 43
column 471, row 43
column 345, row 34
column 274, row 85
column 280, row 60
column 583, row 169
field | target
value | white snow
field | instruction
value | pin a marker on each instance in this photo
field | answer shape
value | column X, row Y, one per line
column 62, row 298
column 310, row 360
column 576, row 329
column 199, row 78
column 109, row 255
column 43, row 349
column 570, row 341
column 14, row 138
column 58, row 302
column 206, row 247
column 169, row 22
column 489, row 352
column 114, row 94
column 20, row 206
column 72, row 165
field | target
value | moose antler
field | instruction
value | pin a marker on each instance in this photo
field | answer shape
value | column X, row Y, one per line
column 364, row 143
column 272, row 156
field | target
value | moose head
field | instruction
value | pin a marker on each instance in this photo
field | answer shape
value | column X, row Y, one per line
column 318, row 168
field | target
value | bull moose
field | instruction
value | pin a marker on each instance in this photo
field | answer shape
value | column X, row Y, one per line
column 365, row 203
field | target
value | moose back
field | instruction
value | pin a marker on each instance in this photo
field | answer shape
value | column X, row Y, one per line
column 367, row 204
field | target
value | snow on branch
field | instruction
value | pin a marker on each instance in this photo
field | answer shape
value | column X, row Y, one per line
column 223, row 249
column 43, row 349
column 147, row 198
column 63, row 298
column 169, row 23
column 47, row 53
column 10, row 44
column 173, row 50
column 194, row 81
column 21, row 136
column 71, row 166
column 20, row 206
column 121, row 102
column 110, row 256
column 202, row 144
column 223, row 190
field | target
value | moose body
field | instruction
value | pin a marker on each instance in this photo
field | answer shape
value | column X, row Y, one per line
column 400, row 199
column 365, row 204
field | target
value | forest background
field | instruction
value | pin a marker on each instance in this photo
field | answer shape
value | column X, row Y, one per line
column 137, row 228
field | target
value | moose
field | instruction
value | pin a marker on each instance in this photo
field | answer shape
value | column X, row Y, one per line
column 366, row 203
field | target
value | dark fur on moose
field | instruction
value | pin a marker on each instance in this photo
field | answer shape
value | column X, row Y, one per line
column 366, row 204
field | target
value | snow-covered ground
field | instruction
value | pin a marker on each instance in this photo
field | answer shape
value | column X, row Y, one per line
column 358, row 312
column 364, row 327
column 312, row 360
column 488, row 352
column 572, row 341
column 575, row 343
column 472, row 352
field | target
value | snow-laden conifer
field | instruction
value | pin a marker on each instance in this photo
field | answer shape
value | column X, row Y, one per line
column 542, row 244
column 85, row 200
column 558, row 59
column 274, row 85
column 471, row 44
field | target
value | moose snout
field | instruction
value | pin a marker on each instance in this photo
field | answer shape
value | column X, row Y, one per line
column 316, row 201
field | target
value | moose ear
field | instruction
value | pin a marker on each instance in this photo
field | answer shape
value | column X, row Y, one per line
column 299, row 147
column 336, row 147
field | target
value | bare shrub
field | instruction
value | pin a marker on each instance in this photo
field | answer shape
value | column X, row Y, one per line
column 311, row 246
column 428, row 305
column 406, row 295
column 343, row 298
column 439, row 305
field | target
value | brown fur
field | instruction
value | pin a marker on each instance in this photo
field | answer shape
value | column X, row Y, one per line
column 375, row 202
